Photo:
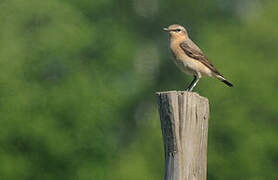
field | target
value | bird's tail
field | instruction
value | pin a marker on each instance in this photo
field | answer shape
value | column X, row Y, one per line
column 221, row 78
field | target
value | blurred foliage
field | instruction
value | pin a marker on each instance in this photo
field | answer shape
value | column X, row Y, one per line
column 78, row 80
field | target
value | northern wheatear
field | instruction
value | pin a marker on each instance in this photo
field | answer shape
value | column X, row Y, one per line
column 189, row 58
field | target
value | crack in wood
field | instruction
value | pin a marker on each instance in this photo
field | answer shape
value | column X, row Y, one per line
column 184, row 124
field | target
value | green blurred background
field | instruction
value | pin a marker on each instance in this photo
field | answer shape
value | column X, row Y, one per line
column 78, row 81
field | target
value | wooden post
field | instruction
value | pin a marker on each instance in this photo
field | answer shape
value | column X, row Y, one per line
column 184, row 124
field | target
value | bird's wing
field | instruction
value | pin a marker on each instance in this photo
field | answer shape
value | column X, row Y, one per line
column 194, row 52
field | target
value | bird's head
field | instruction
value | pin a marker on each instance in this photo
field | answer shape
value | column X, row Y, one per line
column 176, row 31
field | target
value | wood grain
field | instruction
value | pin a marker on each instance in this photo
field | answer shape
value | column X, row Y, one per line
column 184, row 124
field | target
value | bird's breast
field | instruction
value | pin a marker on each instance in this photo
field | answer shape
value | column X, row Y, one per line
column 187, row 64
column 183, row 62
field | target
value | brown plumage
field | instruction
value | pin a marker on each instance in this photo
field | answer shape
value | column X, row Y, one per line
column 189, row 58
column 198, row 55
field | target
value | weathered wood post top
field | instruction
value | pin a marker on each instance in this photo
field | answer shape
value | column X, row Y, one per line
column 184, row 123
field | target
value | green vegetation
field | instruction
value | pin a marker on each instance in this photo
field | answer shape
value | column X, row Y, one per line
column 78, row 82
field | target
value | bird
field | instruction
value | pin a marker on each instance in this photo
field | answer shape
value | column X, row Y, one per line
column 189, row 58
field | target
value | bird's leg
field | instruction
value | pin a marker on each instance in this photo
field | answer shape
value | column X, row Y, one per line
column 193, row 83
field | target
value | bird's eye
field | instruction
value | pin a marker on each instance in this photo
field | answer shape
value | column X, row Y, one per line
column 178, row 30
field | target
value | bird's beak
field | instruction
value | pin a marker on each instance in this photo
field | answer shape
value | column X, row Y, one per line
column 166, row 29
